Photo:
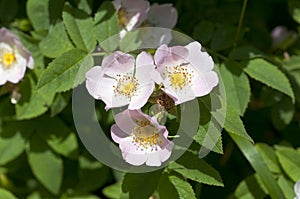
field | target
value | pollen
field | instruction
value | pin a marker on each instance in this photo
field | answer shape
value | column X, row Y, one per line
column 126, row 86
column 123, row 18
column 8, row 59
column 145, row 136
column 180, row 76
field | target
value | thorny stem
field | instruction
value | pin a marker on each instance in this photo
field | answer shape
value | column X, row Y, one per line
column 240, row 23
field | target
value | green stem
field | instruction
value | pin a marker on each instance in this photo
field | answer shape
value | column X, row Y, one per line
column 238, row 32
column 99, row 54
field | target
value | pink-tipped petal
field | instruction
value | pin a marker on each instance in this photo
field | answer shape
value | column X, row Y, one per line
column 126, row 120
column 164, row 15
column 200, row 60
column 130, row 152
column 153, row 159
column 144, row 59
column 205, row 83
column 155, row 75
column 92, row 83
column 140, row 99
column 165, row 56
column 166, row 152
column 117, row 63
column 117, row 134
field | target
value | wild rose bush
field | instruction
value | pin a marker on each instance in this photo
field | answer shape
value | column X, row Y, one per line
column 194, row 99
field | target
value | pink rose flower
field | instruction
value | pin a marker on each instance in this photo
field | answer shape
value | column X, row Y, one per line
column 185, row 71
column 131, row 13
column 121, row 80
column 13, row 58
column 141, row 139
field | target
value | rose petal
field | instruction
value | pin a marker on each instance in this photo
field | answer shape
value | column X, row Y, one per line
column 130, row 153
column 164, row 15
column 118, row 63
column 144, row 59
column 170, row 56
column 126, row 120
column 201, row 61
column 204, row 83
column 117, row 134
column 140, row 99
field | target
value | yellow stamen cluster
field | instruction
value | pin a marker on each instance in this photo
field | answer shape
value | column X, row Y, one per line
column 145, row 136
column 122, row 17
column 180, row 76
column 8, row 59
column 126, row 86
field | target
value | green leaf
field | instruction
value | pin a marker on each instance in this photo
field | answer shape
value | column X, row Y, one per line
column 107, row 27
column 223, row 38
column 38, row 13
column 268, row 155
column 45, row 165
column 6, row 108
column 115, row 191
column 234, row 124
column 270, row 75
column 256, row 161
column 34, row 195
column 80, row 28
column 270, row 97
column 184, row 189
column 237, row 87
column 210, row 137
column 294, row 9
column 198, row 171
column 81, row 197
column 12, row 144
column 166, row 189
column 131, row 41
column 86, row 6
column 6, row 194
column 59, row 104
column 204, row 31
column 59, row 137
column 56, row 42
column 290, row 161
column 286, row 186
column 65, row 72
column 245, row 53
column 92, row 175
column 250, row 188
column 38, row 103
column 134, row 183
column 283, row 113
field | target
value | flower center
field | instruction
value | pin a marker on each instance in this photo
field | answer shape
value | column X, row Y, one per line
column 146, row 136
column 128, row 88
column 127, row 85
column 8, row 59
column 177, row 79
column 180, row 76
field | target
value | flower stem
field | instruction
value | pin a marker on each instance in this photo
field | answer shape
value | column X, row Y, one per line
column 238, row 32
